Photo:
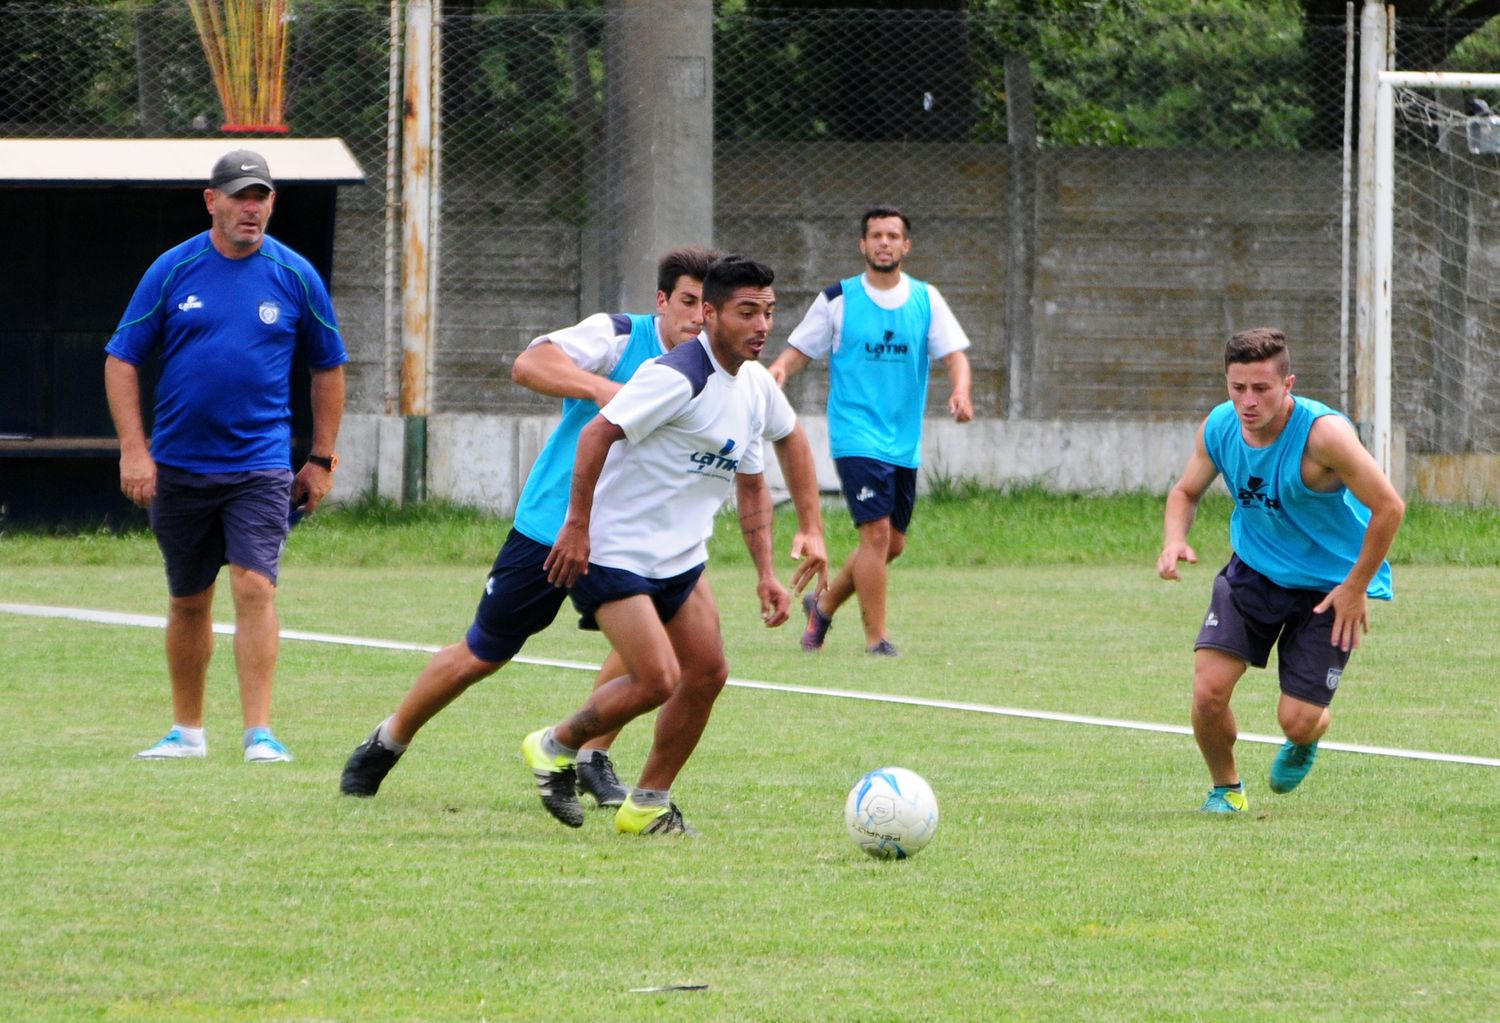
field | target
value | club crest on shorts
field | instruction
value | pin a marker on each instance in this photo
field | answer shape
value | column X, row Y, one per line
column 270, row 312
column 1334, row 674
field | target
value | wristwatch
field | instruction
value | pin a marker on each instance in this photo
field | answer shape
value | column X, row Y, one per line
column 329, row 462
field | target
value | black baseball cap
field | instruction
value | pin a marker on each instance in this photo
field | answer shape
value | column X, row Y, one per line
column 238, row 170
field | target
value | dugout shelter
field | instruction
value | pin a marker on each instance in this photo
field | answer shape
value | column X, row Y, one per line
column 82, row 220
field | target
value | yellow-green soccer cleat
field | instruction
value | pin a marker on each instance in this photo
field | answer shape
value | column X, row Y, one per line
column 556, row 778
column 650, row 820
column 1226, row 799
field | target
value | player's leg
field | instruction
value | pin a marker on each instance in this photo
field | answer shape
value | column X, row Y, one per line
column 870, row 491
column 699, row 643
column 596, row 769
column 632, row 626
column 1302, row 722
column 697, row 638
column 651, row 672
column 190, row 646
column 186, row 523
column 517, row 603
column 1311, row 667
column 1215, row 674
column 871, row 565
column 1228, row 642
column 257, row 643
column 902, row 483
column 442, row 680
column 254, row 514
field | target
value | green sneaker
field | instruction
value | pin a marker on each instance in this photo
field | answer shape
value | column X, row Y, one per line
column 650, row 820
column 1291, row 765
column 1226, row 799
column 557, row 779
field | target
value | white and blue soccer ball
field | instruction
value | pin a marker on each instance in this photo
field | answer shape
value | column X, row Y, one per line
column 891, row 813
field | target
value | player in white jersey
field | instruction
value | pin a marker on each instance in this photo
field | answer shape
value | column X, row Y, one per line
column 675, row 438
column 585, row 365
column 878, row 331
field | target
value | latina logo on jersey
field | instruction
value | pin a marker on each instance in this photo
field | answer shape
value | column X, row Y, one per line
column 1254, row 491
column 270, row 312
column 887, row 348
column 716, row 463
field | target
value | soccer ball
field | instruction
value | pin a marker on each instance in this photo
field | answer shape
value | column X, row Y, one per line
column 891, row 813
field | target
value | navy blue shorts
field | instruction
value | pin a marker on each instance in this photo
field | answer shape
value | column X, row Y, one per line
column 1249, row 614
column 604, row 585
column 203, row 522
column 876, row 490
column 518, row 601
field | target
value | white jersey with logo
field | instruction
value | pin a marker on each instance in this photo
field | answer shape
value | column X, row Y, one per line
column 879, row 343
column 821, row 331
column 689, row 427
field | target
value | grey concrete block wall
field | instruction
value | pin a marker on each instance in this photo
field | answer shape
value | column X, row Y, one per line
column 1146, row 261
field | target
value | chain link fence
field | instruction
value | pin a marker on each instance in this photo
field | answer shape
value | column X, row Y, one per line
column 1101, row 214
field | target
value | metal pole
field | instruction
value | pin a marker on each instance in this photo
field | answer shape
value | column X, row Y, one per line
column 416, row 224
column 1371, row 61
column 1345, row 203
column 392, row 180
column 1380, row 292
column 435, row 191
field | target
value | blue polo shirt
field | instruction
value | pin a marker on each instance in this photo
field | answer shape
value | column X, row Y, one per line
column 225, row 331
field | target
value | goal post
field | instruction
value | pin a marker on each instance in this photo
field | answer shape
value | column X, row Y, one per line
column 1446, row 259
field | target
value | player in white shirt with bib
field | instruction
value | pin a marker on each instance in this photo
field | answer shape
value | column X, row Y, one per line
column 651, row 473
column 878, row 330
column 585, row 365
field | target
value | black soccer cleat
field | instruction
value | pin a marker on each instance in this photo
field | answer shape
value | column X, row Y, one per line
column 367, row 767
column 556, row 781
column 597, row 778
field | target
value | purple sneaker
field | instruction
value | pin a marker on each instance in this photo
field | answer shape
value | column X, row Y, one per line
column 818, row 624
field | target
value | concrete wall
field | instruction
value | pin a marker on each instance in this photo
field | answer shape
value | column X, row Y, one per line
column 1146, row 262
column 482, row 461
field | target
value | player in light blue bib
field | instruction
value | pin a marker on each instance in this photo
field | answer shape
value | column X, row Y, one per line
column 1314, row 517
column 879, row 330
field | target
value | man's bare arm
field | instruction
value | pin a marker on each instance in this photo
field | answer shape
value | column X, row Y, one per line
column 546, row 369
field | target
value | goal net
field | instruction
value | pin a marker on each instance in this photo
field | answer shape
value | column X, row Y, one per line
column 1442, row 176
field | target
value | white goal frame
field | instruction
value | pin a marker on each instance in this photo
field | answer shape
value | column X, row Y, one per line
column 1379, row 387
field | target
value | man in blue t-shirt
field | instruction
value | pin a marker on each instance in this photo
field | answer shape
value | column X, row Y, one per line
column 584, row 365
column 1313, row 519
column 224, row 313
column 878, row 330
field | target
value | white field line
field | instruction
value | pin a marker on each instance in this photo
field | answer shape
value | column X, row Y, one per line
column 156, row 622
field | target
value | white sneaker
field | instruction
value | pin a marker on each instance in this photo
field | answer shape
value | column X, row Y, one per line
column 264, row 749
column 173, row 747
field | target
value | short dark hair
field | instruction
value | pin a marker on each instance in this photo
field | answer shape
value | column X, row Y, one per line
column 1257, row 345
column 879, row 213
column 688, row 261
column 731, row 272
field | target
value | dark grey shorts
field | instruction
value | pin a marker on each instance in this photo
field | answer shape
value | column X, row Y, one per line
column 1249, row 614
column 203, row 522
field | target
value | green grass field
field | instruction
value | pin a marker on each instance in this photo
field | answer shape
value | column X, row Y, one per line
column 1071, row 878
